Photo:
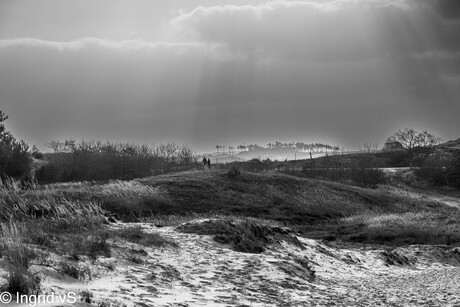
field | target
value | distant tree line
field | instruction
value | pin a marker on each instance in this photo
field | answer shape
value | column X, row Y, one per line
column 95, row 160
column 296, row 145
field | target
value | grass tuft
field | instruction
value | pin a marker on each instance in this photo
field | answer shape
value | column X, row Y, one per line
column 76, row 270
column 245, row 235
column 19, row 257
column 137, row 235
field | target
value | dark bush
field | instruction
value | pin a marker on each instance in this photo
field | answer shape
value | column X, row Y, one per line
column 436, row 176
column 441, row 174
column 233, row 172
column 15, row 160
column 453, row 176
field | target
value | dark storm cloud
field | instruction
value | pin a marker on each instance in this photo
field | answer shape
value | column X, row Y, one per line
column 449, row 9
column 326, row 31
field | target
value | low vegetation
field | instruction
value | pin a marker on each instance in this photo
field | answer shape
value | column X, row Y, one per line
column 94, row 160
column 76, row 270
column 440, row 174
column 137, row 235
column 15, row 155
column 19, row 256
column 243, row 235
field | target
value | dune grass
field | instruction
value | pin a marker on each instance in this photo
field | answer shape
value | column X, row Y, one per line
column 19, row 257
column 137, row 234
column 242, row 234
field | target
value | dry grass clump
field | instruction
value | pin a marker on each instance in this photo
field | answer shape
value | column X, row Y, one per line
column 76, row 270
column 299, row 267
column 19, row 257
column 243, row 235
column 137, row 235
column 91, row 244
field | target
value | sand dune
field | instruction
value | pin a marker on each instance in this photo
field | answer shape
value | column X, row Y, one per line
column 202, row 272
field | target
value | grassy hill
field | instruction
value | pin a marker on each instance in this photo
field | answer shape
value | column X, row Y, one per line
column 78, row 223
column 314, row 207
column 319, row 209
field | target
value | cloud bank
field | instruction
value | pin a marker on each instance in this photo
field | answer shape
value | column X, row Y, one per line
column 334, row 30
column 343, row 70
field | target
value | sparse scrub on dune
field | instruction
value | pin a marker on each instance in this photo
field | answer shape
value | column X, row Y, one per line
column 137, row 235
column 243, row 235
column 76, row 270
column 92, row 244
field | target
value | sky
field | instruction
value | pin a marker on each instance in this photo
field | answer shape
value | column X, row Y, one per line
column 229, row 72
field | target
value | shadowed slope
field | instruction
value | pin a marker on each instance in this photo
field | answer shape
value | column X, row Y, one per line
column 274, row 196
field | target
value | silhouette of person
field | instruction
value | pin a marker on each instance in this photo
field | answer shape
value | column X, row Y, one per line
column 209, row 163
column 205, row 161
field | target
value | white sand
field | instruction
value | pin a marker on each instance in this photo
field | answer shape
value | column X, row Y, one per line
column 202, row 272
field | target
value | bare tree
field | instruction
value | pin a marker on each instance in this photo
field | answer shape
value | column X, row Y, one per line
column 185, row 155
column 56, row 146
column 414, row 143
